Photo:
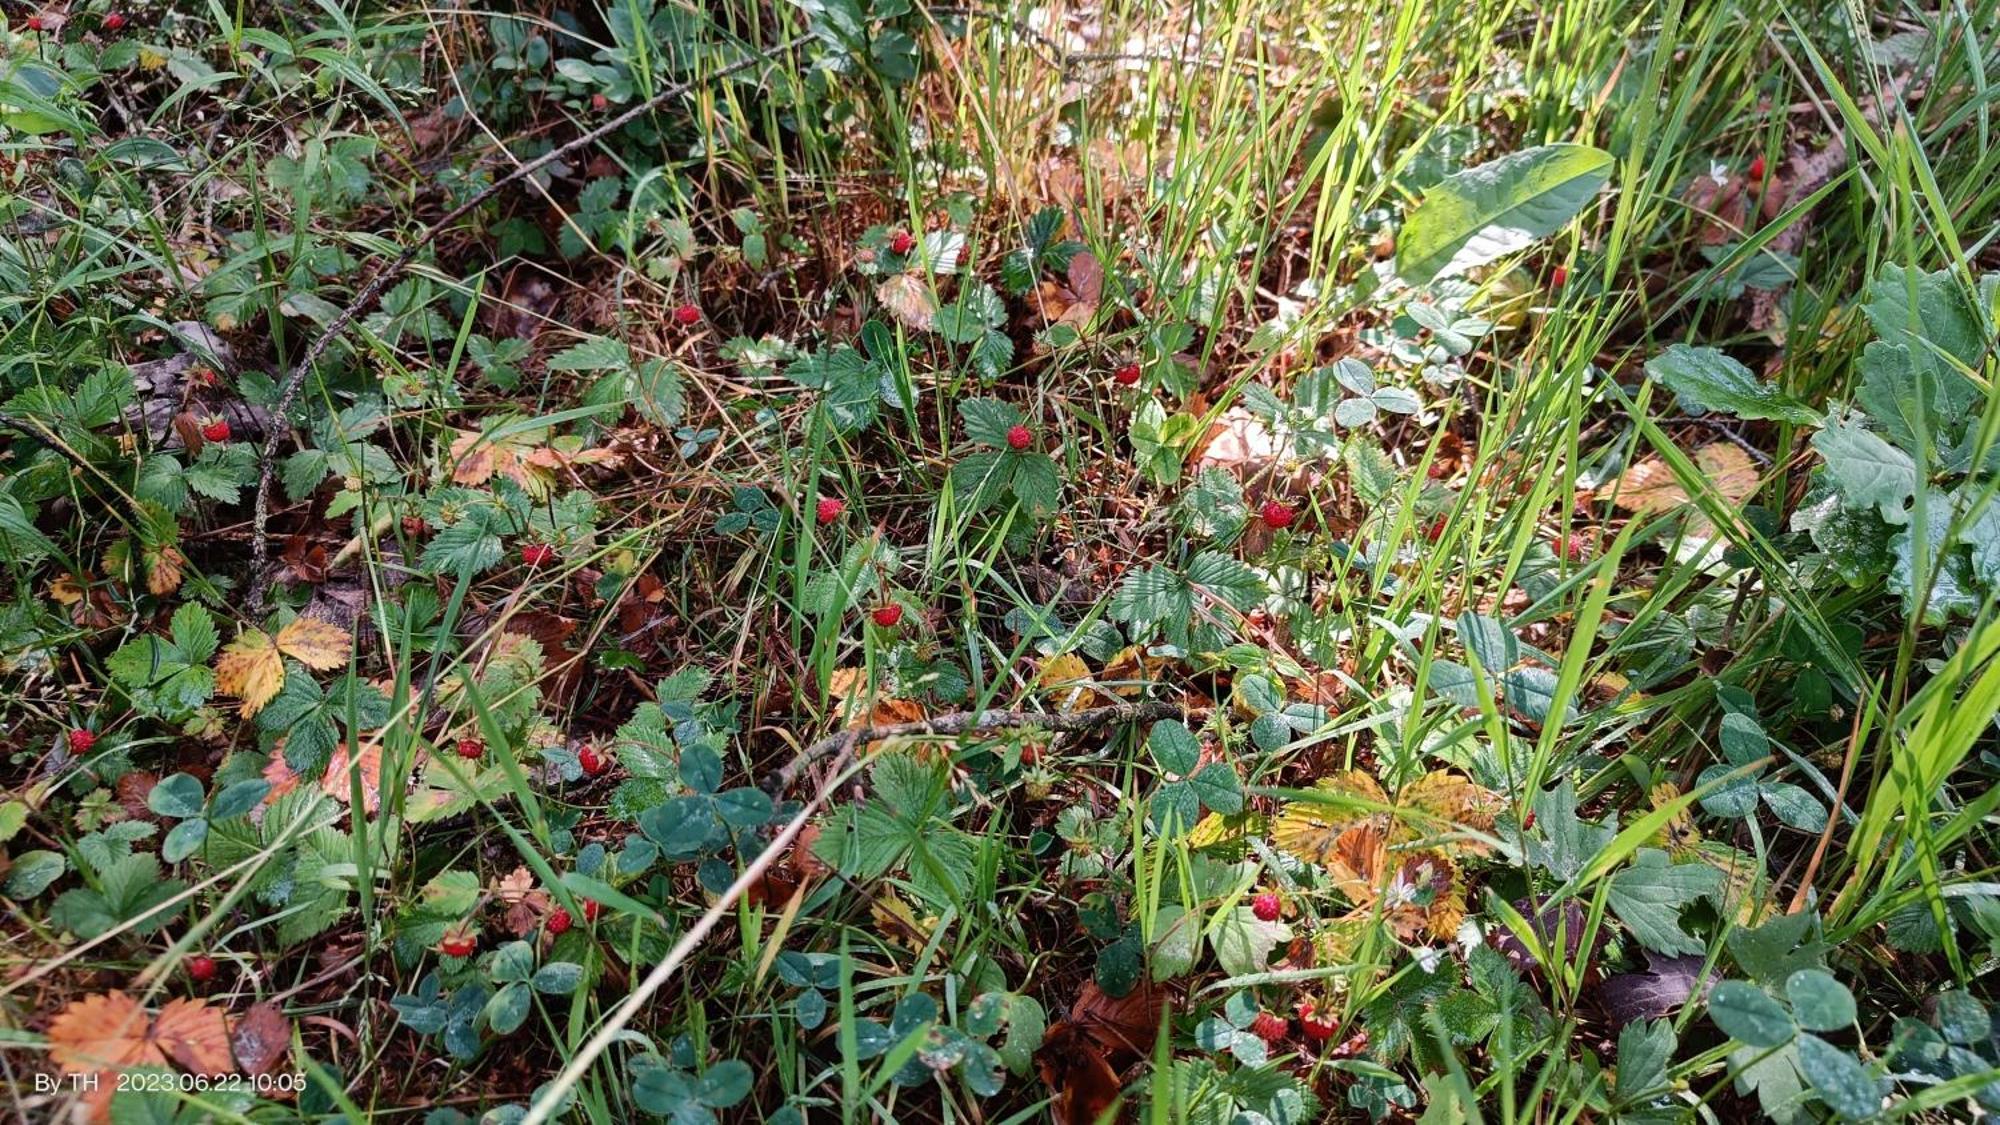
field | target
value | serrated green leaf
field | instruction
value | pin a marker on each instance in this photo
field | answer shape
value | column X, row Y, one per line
column 1649, row 894
column 1870, row 472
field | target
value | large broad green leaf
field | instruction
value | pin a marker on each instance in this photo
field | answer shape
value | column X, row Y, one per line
column 1706, row 379
column 1871, row 473
column 1648, row 897
column 1472, row 217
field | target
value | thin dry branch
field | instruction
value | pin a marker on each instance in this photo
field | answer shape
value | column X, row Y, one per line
column 964, row 722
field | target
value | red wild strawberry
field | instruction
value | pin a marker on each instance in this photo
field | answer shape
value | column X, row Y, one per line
column 1271, row 1029
column 1127, row 375
column 457, row 945
column 1266, row 906
column 1527, row 822
column 593, row 763
column 201, row 967
column 558, row 923
column 471, row 748
column 1317, row 1027
column 80, row 740
column 887, row 615
column 599, row 102
column 829, row 509
column 538, row 554
column 1757, row 168
column 902, row 242
column 113, row 21
column 33, row 23
column 1435, row 531
column 1020, row 438
column 591, row 909
column 217, row 429
column 1276, row 516
column 1560, row 277
column 687, row 315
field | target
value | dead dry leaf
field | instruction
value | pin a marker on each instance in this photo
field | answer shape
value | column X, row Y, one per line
column 1065, row 680
column 250, row 669
column 319, row 645
column 1649, row 486
column 195, row 1036
column 1075, row 303
column 263, row 1036
column 111, row 1032
column 108, row 1031
column 909, row 299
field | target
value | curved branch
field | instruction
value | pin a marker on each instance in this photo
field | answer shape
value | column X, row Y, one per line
column 963, row 722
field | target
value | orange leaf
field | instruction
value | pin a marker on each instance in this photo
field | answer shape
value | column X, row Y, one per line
column 473, row 462
column 316, row 644
column 103, row 1032
column 250, row 669
column 163, row 570
column 334, row 783
column 195, row 1036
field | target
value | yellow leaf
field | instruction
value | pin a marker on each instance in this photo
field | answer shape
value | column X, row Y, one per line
column 319, row 645
column 1678, row 836
column 1368, row 844
column 1310, row 830
column 1744, row 887
column 1442, row 801
column 1130, row 670
column 1066, row 680
column 1216, row 828
column 250, row 669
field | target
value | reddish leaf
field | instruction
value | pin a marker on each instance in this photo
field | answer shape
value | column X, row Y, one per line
column 262, row 1037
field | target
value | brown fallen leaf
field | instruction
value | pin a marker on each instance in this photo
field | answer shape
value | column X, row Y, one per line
column 909, row 299
column 108, row 1031
column 1649, row 485
column 1075, row 1068
column 111, row 1032
column 1124, row 1027
column 263, row 1036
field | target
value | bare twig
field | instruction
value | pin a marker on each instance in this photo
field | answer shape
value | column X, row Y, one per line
column 379, row 284
column 962, row 722
column 842, row 745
